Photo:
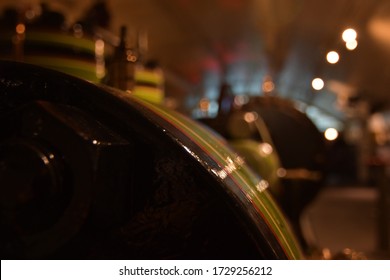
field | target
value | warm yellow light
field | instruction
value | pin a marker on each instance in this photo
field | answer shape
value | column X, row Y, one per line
column 351, row 45
column 331, row 134
column 318, row 84
column 349, row 35
column 332, row 57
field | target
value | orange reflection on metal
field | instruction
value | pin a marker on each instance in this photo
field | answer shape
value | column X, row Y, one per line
column 250, row 117
column 20, row 28
column 204, row 104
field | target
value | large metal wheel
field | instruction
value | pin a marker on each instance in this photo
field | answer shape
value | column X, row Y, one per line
column 88, row 173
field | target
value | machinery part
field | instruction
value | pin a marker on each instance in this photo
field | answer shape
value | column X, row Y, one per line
column 140, row 181
column 54, row 162
column 286, row 142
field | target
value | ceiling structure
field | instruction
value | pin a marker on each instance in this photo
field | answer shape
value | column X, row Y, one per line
column 201, row 44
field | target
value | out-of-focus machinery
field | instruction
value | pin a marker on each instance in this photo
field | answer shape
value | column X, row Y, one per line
column 280, row 143
column 89, row 171
column 85, row 48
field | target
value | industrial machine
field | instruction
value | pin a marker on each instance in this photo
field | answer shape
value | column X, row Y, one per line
column 89, row 172
column 281, row 144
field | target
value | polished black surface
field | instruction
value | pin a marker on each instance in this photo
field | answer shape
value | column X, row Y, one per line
column 86, row 175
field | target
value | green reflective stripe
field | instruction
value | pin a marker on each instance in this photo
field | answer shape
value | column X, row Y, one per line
column 246, row 180
column 75, row 67
column 151, row 77
column 151, row 94
column 266, row 165
column 63, row 40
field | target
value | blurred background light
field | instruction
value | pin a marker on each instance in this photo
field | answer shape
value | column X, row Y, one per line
column 20, row 28
column 265, row 149
column 331, row 134
column 318, row 84
column 251, row 117
column 332, row 57
column 349, row 35
column 351, row 45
